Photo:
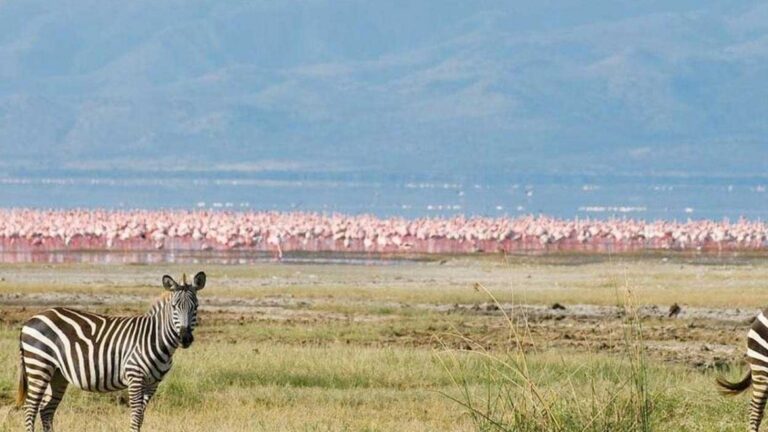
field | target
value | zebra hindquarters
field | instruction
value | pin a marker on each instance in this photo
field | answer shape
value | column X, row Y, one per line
column 757, row 357
column 39, row 368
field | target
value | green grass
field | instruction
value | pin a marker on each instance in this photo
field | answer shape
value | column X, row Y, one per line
column 278, row 386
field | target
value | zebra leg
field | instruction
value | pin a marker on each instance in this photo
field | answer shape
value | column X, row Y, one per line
column 757, row 404
column 51, row 400
column 136, row 396
column 37, row 382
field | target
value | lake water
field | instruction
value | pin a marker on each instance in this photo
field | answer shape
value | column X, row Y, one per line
column 567, row 196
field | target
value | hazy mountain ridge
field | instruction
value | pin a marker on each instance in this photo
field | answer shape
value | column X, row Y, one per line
column 392, row 86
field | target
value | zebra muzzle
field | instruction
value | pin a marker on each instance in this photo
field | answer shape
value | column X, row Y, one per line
column 186, row 337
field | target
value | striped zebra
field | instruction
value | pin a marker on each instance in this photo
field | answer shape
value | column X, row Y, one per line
column 98, row 353
column 757, row 377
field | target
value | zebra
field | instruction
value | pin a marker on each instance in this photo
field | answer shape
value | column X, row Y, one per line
column 99, row 353
column 757, row 376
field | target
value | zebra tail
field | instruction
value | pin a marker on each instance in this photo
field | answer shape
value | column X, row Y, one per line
column 21, row 393
column 728, row 388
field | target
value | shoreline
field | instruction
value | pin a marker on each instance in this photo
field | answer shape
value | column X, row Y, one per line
column 39, row 255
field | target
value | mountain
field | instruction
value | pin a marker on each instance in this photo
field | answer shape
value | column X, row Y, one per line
column 400, row 88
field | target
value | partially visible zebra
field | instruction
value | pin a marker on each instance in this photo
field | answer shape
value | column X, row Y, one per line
column 757, row 377
column 100, row 353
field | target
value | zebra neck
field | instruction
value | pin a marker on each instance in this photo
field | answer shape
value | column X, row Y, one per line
column 164, row 336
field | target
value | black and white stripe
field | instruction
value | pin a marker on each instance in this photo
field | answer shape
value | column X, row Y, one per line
column 757, row 377
column 98, row 353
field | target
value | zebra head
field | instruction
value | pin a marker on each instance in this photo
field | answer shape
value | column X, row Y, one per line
column 183, row 301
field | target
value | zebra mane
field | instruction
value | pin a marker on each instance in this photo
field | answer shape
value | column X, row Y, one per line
column 158, row 302
column 162, row 297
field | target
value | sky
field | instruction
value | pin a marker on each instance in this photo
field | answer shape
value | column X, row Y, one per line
column 396, row 89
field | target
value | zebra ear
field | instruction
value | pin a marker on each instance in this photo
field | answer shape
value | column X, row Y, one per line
column 169, row 283
column 198, row 282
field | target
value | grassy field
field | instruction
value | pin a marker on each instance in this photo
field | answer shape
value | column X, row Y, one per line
column 388, row 347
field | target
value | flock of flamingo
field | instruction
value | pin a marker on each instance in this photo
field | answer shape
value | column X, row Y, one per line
column 278, row 232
